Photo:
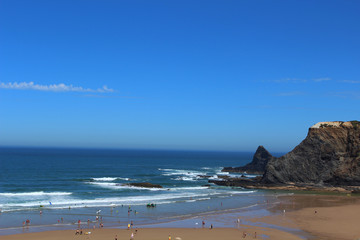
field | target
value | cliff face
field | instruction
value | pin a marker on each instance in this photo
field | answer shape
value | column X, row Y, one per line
column 329, row 154
column 258, row 164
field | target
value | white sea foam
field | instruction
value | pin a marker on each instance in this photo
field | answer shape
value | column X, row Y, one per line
column 101, row 202
column 118, row 186
column 40, row 193
column 185, row 179
column 189, row 188
column 182, row 174
column 109, row 179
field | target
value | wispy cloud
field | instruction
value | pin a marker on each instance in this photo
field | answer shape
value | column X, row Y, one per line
column 350, row 81
column 61, row 87
column 301, row 80
column 289, row 94
column 290, row 80
column 345, row 94
column 321, row 79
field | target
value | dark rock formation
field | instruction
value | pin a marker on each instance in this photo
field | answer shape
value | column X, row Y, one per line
column 330, row 155
column 258, row 164
column 328, row 159
column 145, row 185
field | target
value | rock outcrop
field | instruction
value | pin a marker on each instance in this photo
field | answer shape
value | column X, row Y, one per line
column 330, row 154
column 256, row 166
column 145, row 185
column 328, row 159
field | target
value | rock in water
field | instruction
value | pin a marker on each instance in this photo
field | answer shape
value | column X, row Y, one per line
column 258, row 164
column 330, row 154
column 145, row 185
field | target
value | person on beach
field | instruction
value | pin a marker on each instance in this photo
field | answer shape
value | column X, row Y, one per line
column 211, row 226
column 203, row 223
column 128, row 226
column 131, row 224
column 132, row 236
column 169, row 237
column 115, row 237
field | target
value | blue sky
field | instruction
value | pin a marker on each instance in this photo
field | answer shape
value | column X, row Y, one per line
column 200, row 75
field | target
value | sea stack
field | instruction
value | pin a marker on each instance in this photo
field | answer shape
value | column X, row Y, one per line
column 330, row 155
column 256, row 166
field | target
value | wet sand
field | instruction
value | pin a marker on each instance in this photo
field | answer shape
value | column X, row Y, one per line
column 158, row 234
column 318, row 216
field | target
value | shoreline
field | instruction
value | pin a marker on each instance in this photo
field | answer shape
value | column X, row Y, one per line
column 298, row 216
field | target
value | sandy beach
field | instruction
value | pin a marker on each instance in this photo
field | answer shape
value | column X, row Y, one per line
column 159, row 233
column 318, row 216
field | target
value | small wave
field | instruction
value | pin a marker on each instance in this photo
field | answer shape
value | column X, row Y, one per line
column 118, row 186
column 189, row 188
column 185, row 179
column 184, row 172
column 40, row 193
column 109, row 179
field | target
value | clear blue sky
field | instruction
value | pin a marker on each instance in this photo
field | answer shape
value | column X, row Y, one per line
column 202, row 75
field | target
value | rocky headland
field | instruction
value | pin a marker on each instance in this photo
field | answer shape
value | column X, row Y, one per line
column 328, row 159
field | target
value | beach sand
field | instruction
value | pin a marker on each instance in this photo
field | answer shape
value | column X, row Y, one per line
column 158, row 234
column 318, row 216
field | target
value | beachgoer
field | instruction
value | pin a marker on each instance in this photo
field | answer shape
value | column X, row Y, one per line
column 62, row 220
column 131, row 224
column 203, row 223
column 211, row 226
column 115, row 237
column 169, row 237
column 132, row 236
column 80, row 231
column 255, row 235
column 128, row 226
column 77, row 232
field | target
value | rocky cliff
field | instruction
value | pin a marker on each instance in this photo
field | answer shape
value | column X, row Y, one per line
column 256, row 166
column 330, row 155
column 328, row 159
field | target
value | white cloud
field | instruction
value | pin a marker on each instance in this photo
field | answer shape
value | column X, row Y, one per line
column 61, row 87
column 321, row 79
column 290, row 80
column 288, row 94
column 350, row 81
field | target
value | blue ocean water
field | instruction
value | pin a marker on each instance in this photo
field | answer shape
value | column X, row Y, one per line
column 68, row 185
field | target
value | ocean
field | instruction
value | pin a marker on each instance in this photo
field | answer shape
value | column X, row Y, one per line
column 72, row 185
